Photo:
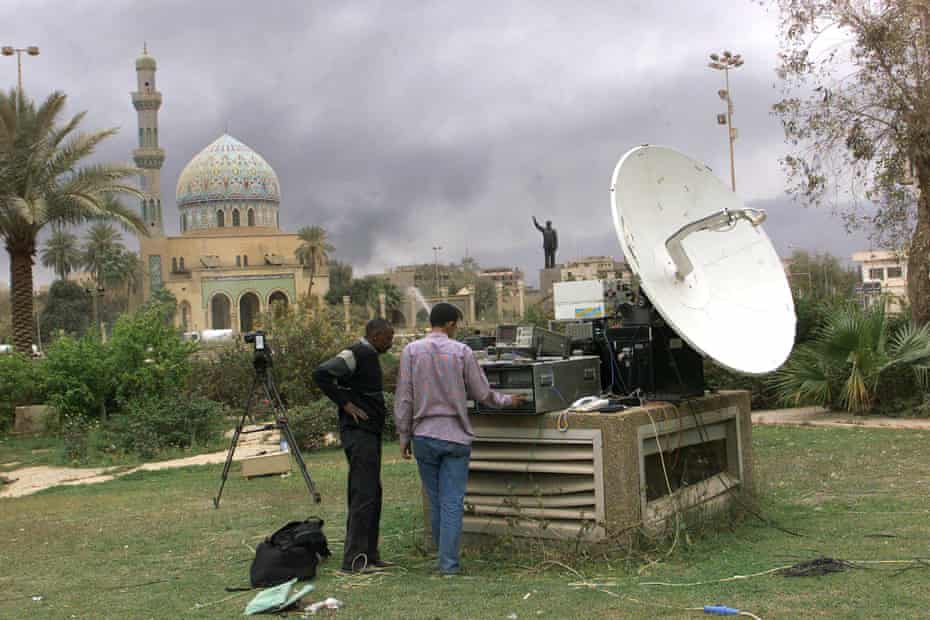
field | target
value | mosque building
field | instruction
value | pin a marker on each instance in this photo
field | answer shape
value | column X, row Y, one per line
column 231, row 261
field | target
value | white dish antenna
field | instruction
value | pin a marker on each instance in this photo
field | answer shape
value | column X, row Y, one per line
column 703, row 259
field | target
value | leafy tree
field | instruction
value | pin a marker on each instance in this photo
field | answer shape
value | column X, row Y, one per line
column 365, row 292
column 61, row 253
column 857, row 116
column 821, row 276
column 42, row 182
column 340, row 281
column 68, row 309
column 856, row 358
column 313, row 251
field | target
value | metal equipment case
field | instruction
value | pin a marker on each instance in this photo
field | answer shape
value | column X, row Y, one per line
column 548, row 384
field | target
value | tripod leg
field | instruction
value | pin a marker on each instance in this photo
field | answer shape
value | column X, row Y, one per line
column 271, row 391
column 232, row 445
column 285, row 427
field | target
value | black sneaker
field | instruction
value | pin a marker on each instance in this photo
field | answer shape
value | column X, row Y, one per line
column 382, row 564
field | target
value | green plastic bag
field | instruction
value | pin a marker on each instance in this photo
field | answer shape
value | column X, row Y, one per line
column 278, row 598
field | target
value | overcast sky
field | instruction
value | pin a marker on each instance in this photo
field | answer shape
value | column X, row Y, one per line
column 399, row 125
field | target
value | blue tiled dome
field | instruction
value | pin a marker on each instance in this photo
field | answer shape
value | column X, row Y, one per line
column 227, row 171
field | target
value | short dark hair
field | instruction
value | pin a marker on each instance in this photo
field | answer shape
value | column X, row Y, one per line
column 375, row 326
column 443, row 313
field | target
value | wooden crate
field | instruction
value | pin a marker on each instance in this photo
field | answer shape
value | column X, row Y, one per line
column 266, row 464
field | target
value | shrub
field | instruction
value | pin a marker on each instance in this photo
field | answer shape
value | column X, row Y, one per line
column 22, row 382
column 151, row 424
column 223, row 373
column 78, row 377
column 147, row 355
column 857, row 360
column 300, row 341
column 311, row 423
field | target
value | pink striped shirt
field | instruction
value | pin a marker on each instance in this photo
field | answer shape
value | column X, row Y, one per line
column 437, row 376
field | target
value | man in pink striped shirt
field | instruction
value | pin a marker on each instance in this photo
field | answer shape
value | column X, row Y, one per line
column 437, row 376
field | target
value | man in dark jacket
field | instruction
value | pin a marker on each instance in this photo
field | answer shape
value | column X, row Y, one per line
column 353, row 381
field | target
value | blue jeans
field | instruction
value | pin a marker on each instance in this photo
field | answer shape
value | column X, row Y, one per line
column 444, row 471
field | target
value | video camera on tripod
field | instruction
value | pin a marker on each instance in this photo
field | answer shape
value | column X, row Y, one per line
column 261, row 349
column 264, row 384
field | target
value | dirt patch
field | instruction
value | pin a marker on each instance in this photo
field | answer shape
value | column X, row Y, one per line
column 29, row 480
column 817, row 416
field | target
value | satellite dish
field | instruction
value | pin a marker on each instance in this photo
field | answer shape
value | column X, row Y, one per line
column 703, row 259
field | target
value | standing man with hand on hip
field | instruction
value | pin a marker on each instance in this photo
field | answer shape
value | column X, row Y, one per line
column 353, row 380
column 437, row 376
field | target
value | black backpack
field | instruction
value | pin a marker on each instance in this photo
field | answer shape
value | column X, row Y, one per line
column 293, row 551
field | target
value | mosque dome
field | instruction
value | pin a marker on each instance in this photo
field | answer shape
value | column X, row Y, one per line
column 145, row 62
column 228, row 176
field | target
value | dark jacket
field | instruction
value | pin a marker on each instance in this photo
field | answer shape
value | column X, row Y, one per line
column 354, row 376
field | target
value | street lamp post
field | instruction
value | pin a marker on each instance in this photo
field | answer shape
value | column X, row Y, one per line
column 724, row 62
column 9, row 50
column 436, row 250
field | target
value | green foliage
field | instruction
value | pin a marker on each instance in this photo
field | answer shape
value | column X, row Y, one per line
column 300, row 342
column 312, row 422
column 147, row 356
column 166, row 303
column 856, row 360
column 79, row 377
column 821, row 277
column 537, row 315
column 340, row 281
column 61, row 253
column 22, row 382
column 151, row 424
column 69, row 309
column 223, row 373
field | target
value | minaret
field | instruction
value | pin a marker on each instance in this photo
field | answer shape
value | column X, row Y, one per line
column 149, row 157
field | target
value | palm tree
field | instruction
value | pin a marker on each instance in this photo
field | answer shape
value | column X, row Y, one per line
column 102, row 248
column 61, row 253
column 857, row 358
column 42, row 183
column 313, row 251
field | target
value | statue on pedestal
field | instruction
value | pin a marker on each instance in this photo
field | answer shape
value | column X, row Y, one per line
column 550, row 241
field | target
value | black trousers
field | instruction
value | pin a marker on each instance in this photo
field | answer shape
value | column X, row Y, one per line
column 363, row 451
column 550, row 257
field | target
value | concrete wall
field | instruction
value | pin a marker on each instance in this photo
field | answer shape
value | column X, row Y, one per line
column 621, row 435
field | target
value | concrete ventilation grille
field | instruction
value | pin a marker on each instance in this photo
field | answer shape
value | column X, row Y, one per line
column 536, row 487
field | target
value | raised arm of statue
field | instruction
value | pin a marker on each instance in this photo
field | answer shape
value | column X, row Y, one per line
column 536, row 224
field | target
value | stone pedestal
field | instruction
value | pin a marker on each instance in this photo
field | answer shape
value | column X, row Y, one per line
column 33, row 419
column 597, row 476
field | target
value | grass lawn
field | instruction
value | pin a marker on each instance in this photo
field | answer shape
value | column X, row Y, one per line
column 151, row 545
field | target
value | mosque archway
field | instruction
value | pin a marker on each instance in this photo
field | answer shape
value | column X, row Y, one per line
column 220, row 219
column 235, row 217
column 251, row 217
column 277, row 301
column 219, row 312
column 249, row 307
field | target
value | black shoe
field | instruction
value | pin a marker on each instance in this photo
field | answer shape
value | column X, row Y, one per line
column 382, row 564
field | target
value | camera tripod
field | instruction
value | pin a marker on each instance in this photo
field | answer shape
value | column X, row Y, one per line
column 264, row 378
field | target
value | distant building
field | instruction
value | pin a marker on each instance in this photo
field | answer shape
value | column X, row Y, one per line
column 421, row 276
column 595, row 268
column 508, row 276
column 884, row 275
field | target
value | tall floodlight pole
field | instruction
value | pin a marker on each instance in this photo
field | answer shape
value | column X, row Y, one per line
column 9, row 50
column 724, row 62
column 436, row 250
